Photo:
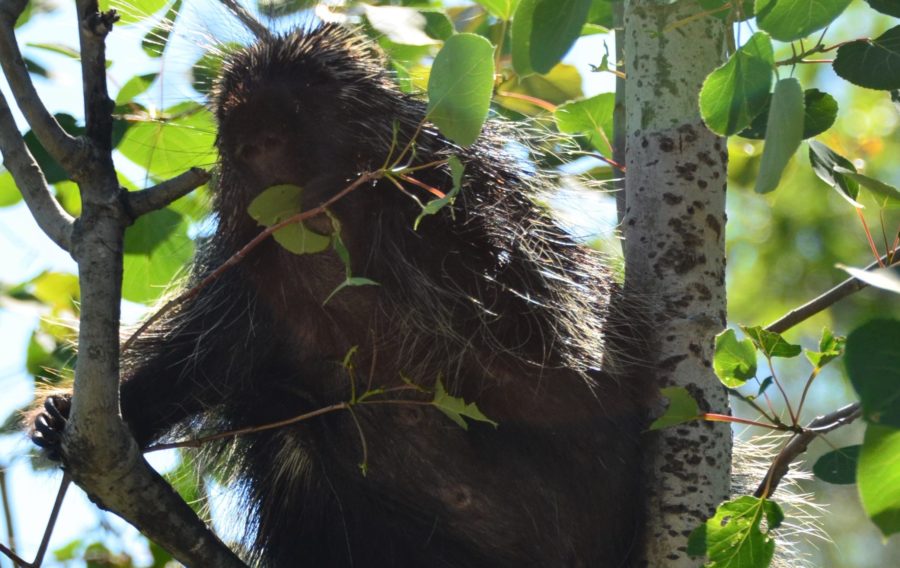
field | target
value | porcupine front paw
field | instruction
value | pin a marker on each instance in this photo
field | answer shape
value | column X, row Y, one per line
column 48, row 424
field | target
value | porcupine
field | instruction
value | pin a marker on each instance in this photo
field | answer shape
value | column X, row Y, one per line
column 490, row 296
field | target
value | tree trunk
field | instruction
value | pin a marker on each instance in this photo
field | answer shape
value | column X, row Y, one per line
column 674, row 229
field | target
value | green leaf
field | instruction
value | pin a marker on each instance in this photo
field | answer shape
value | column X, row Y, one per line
column 520, row 38
column 819, row 113
column 736, row 92
column 157, row 248
column 503, row 9
column 789, row 20
column 873, row 365
column 457, row 408
column 279, row 203
column 556, row 24
column 59, row 290
column 133, row 11
column 59, row 49
column 733, row 537
column 435, row 205
column 53, row 172
column 349, row 283
column 682, row 408
column 601, row 13
column 205, row 71
column 771, row 344
column 887, row 278
column 36, row 68
column 734, row 361
column 134, row 87
column 183, row 138
column 592, row 117
column 889, row 7
column 783, row 133
column 460, row 87
column 871, row 63
column 878, row 477
column 879, row 188
column 561, row 84
column 399, row 24
column 9, row 191
column 824, row 160
column 437, row 24
column 830, row 348
column 838, row 466
column 155, row 42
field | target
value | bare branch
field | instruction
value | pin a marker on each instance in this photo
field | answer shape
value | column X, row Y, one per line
column 64, row 148
column 800, row 442
column 247, row 19
column 161, row 195
column 7, row 511
column 51, row 218
column 828, row 299
column 93, row 28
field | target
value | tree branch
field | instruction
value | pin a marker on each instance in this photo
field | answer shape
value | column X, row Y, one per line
column 826, row 300
column 52, row 219
column 161, row 195
column 64, row 148
column 800, row 443
column 247, row 19
column 93, row 27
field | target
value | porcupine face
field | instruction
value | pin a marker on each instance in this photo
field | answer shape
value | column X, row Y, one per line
column 302, row 105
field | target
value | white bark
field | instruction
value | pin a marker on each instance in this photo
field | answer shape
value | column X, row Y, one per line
column 675, row 258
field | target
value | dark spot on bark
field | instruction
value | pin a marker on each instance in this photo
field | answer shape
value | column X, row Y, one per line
column 706, row 159
column 713, row 224
column 670, row 363
column 705, row 294
column 672, row 199
column 702, row 183
column 686, row 171
column 644, row 143
column 666, row 144
column 695, row 349
column 699, row 205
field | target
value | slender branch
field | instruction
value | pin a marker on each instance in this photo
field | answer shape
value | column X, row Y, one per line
column 51, row 523
column 7, row 511
column 93, row 28
column 826, row 300
column 247, row 19
column 245, row 250
column 50, row 216
column 17, row 560
column 198, row 442
column 800, row 442
column 161, row 195
column 64, row 148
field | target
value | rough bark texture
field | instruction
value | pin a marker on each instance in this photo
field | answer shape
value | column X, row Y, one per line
column 675, row 257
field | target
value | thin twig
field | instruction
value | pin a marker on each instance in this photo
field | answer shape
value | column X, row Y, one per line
column 51, row 523
column 246, row 18
column 198, row 442
column 50, row 216
column 245, row 250
column 7, row 511
column 800, row 442
column 67, row 150
column 826, row 300
column 161, row 195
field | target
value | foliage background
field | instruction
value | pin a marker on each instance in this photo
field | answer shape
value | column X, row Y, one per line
column 782, row 247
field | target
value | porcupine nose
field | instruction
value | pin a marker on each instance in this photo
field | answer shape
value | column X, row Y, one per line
column 268, row 156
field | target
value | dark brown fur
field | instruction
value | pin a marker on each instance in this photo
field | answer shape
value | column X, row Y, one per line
column 492, row 297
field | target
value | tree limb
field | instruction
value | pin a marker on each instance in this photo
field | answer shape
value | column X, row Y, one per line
column 247, row 19
column 826, row 300
column 50, row 216
column 64, row 148
column 800, row 443
column 161, row 195
column 93, row 28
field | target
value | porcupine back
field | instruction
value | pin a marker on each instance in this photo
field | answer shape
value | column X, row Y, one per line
column 491, row 296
